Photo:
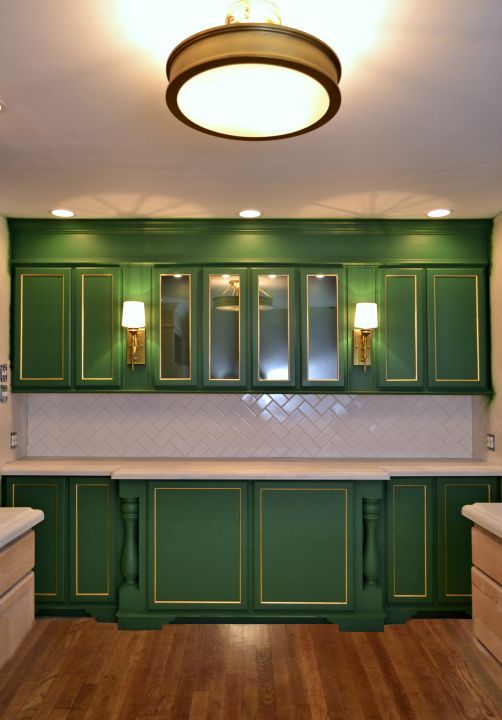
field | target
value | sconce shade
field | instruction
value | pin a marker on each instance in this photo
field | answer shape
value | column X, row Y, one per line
column 133, row 314
column 366, row 317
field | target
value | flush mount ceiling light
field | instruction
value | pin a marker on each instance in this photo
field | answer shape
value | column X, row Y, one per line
column 249, row 214
column 252, row 78
column 62, row 213
column 439, row 213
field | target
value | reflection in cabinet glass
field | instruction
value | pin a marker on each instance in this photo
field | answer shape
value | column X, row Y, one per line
column 273, row 328
column 224, row 327
column 322, row 327
column 175, row 327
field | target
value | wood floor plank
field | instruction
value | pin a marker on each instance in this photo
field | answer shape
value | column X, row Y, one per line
column 77, row 669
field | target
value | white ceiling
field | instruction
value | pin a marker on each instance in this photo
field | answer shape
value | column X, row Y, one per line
column 86, row 125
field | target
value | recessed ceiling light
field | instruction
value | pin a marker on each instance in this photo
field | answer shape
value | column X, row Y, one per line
column 250, row 214
column 439, row 213
column 62, row 213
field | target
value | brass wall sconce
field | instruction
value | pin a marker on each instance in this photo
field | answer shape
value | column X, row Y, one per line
column 133, row 319
column 365, row 320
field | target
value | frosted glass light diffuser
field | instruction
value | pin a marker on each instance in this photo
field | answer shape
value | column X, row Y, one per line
column 253, row 81
column 366, row 317
column 133, row 314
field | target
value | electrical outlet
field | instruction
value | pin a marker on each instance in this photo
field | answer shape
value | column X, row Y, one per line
column 4, row 373
column 13, row 440
column 4, row 394
column 490, row 441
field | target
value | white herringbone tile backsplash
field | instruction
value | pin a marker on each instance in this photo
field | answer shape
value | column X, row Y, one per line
column 203, row 425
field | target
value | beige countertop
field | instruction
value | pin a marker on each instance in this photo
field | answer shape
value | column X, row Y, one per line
column 247, row 469
column 486, row 515
column 15, row 521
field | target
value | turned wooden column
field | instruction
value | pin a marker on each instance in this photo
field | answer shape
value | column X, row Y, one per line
column 371, row 560
column 129, row 558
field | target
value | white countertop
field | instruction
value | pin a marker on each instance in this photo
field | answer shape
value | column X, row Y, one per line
column 247, row 469
column 487, row 515
column 15, row 521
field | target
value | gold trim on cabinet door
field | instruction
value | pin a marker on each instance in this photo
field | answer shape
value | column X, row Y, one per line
column 387, row 378
column 100, row 275
column 189, row 276
column 408, row 595
column 447, row 485
column 195, row 602
column 305, row 602
column 56, row 553
column 264, row 380
column 314, row 379
column 107, row 510
column 21, row 349
column 212, row 379
column 454, row 380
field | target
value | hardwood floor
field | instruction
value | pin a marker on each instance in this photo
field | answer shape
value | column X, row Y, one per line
column 423, row 670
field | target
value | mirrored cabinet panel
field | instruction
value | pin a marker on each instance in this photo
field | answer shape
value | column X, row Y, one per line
column 223, row 336
column 273, row 312
column 175, row 328
column 322, row 322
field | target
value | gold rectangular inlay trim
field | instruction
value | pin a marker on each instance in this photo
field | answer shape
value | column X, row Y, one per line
column 173, row 379
column 21, row 340
column 305, row 602
column 56, row 552
column 454, row 380
column 314, row 379
column 415, row 377
column 195, row 602
column 107, row 515
column 408, row 485
column 82, row 321
column 447, row 485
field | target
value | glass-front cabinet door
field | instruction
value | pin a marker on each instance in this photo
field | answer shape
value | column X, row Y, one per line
column 175, row 339
column 323, row 325
column 274, row 341
column 224, row 327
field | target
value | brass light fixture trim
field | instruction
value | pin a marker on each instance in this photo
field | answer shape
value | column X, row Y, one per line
column 260, row 44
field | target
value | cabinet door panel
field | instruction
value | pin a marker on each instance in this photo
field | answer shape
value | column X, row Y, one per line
column 402, row 338
column 457, row 328
column 303, row 545
column 454, row 533
column 225, row 327
column 48, row 495
column 92, row 539
column 274, row 323
column 198, row 548
column 175, row 332
column 324, row 348
column 42, row 330
column 97, row 327
column 409, row 540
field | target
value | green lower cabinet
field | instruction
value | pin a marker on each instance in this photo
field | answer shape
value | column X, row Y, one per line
column 198, row 545
column 49, row 495
column 454, row 533
column 92, row 548
column 410, row 540
column 303, row 546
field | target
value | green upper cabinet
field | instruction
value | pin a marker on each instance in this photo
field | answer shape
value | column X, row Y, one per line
column 273, row 328
column 457, row 319
column 224, row 327
column 323, row 325
column 401, row 303
column 98, row 358
column 42, row 328
column 176, row 322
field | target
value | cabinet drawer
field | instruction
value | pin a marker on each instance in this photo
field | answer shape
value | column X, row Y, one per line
column 487, row 553
column 16, row 560
column 487, row 612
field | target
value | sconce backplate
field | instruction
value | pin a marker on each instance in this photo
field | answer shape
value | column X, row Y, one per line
column 357, row 348
column 140, row 350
